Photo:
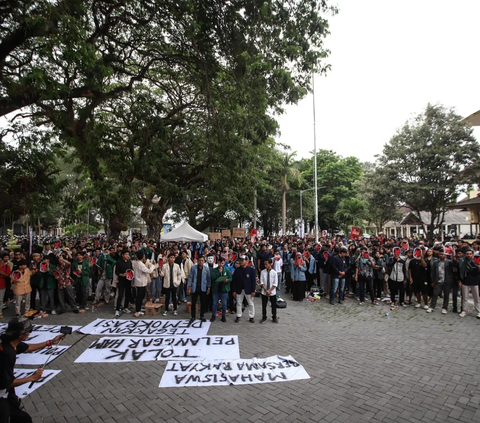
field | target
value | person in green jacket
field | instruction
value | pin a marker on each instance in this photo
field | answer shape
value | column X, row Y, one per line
column 47, row 286
column 221, row 278
column 105, row 264
column 80, row 274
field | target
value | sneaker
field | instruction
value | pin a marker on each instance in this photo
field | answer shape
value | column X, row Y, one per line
column 107, row 302
column 375, row 302
column 224, row 319
column 263, row 320
column 403, row 305
column 86, row 308
column 53, row 312
column 203, row 319
column 429, row 310
column 275, row 320
column 237, row 319
column 175, row 313
column 157, row 300
column 393, row 307
column 251, row 320
column 444, row 311
column 463, row 314
column 165, row 313
column 5, row 306
column 362, row 303
column 117, row 312
column 213, row 318
column 418, row 305
column 126, row 310
column 426, row 307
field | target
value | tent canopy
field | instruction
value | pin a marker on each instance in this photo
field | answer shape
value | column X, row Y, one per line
column 184, row 233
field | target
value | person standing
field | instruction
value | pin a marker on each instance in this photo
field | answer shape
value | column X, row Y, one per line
column 268, row 282
column 469, row 281
column 186, row 264
column 417, row 271
column 285, row 254
column 442, row 278
column 124, row 285
column 140, row 280
column 66, row 292
column 338, row 271
column 364, row 276
column 47, row 286
column 221, row 278
column 81, row 274
column 397, row 279
column 198, row 285
column 5, row 272
column 172, row 275
column 299, row 278
column 243, row 286
column 105, row 263
column 22, row 287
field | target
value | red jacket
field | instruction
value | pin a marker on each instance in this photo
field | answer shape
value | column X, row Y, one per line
column 5, row 267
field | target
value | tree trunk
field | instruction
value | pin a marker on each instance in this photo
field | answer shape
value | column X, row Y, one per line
column 113, row 227
column 153, row 214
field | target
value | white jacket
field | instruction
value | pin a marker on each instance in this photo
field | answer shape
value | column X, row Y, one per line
column 140, row 273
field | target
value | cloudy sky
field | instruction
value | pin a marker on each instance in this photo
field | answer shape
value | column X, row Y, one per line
column 389, row 59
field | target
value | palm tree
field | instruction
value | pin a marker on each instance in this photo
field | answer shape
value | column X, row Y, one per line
column 351, row 212
column 288, row 170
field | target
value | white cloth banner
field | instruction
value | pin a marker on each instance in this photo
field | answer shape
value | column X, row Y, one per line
column 152, row 327
column 24, row 390
column 39, row 357
column 41, row 333
column 125, row 349
column 232, row 372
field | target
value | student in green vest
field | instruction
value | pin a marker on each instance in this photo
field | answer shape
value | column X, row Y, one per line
column 221, row 278
column 47, row 285
column 80, row 275
column 105, row 264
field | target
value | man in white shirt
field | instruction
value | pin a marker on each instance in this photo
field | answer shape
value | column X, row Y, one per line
column 277, row 266
column 269, row 282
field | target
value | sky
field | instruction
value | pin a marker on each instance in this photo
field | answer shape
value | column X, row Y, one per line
column 389, row 59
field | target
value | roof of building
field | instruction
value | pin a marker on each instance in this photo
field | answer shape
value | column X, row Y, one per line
column 452, row 217
column 475, row 201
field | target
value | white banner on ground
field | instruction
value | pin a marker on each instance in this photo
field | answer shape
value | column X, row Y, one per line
column 39, row 357
column 232, row 372
column 125, row 349
column 41, row 333
column 24, row 390
column 152, row 327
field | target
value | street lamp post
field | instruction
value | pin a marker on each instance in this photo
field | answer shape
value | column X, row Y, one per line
column 301, row 206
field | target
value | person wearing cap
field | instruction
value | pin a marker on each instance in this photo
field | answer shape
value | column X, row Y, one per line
column 469, row 272
column 221, row 278
column 12, row 344
column 269, row 282
column 243, row 286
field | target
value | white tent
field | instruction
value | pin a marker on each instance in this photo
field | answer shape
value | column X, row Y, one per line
column 184, row 233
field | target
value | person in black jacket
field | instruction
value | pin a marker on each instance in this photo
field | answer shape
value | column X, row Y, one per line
column 397, row 279
column 442, row 277
column 243, row 286
column 470, row 280
column 124, row 286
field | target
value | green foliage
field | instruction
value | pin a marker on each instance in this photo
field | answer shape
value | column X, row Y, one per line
column 351, row 212
column 428, row 160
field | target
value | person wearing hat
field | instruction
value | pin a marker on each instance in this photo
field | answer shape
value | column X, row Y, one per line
column 221, row 278
column 243, row 286
column 12, row 344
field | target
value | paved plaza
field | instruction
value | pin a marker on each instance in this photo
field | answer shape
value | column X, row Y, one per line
column 365, row 366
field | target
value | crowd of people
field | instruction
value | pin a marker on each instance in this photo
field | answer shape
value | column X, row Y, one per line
column 224, row 275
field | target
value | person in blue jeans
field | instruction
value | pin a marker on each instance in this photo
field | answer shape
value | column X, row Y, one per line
column 338, row 270
column 221, row 278
column 157, row 282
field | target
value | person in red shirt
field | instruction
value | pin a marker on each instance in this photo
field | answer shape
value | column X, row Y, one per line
column 5, row 272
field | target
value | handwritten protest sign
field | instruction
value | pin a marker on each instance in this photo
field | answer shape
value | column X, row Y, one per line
column 39, row 357
column 124, row 349
column 41, row 333
column 152, row 327
column 24, row 390
column 232, row 372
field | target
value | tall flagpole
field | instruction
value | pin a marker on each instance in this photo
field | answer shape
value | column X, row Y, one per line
column 315, row 160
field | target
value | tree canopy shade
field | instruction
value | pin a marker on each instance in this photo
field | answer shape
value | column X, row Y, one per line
column 427, row 161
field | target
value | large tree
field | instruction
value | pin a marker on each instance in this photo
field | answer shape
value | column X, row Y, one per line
column 427, row 160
